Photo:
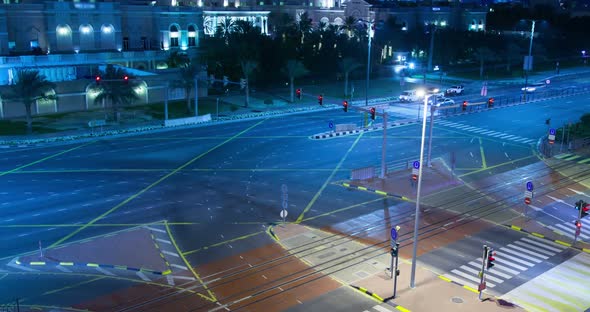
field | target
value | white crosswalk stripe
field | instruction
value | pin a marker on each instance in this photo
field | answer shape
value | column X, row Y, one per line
column 504, row 136
column 569, row 230
column 511, row 260
column 381, row 308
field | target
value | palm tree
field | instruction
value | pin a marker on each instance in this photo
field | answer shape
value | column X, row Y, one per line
column 304, row 26
column 29, row 87
column 176, row 59
column 114, row 88
column 187, row 73
column 349, row 25
column 225, row 27
column 483, row 54
column 347, row 65
column 248, row 67
column 294, row 69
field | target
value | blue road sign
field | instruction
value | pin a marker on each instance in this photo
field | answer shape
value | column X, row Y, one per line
column 416, row 164
column 529, row 186
column 331, row 125
column 552, row 131
column 393, row 234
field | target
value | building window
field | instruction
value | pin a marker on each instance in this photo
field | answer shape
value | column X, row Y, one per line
column 192, row 36
column 125, row 43
column 144, row 43
column 174, row 34
column 11, row 45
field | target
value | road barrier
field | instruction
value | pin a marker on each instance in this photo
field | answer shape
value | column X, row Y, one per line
column 186, row 121
column 362, row 173
column 345, row 127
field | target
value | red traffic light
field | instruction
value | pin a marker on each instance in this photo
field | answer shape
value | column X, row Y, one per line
column 97, row 78
column 464, row 103
column 372, row 110
column 578, row 224
column 345, row 106
column 320, row 99
column 126, row 78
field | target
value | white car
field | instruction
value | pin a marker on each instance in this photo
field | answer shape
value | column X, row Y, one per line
column 533, row 87
column 409, row 96
column 441, row 101
column 455, row 90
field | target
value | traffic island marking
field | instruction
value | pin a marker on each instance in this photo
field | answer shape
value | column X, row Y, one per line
column 367, row 189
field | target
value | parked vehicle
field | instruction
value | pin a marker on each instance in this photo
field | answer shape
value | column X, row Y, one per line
column 409, row 96
column 455, row 90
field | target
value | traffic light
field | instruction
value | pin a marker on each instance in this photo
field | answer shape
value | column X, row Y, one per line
column 126, row 79
column 490, row 102
column 97, row 79
column 345, row 106
column 372, row 113
column 321, row 99
column 491, row 259
column 298, row 92
column 578, row 224
column 464, row 106
column 585, row 209
column 578, row 204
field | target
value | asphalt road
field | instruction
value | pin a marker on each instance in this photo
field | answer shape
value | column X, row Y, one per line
column 216, row 185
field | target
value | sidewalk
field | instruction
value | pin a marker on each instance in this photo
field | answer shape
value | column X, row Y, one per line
column 363, row 267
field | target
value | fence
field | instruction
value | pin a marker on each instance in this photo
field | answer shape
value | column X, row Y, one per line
column 507, row 100
column 363, row 173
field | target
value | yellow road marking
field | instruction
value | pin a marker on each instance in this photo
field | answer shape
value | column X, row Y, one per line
column 186, row 253
column 72, row 286
column 184, row 170
column 212, row 297
column 483, row 156
column 50, row 307
column 319, row 192
column 402, row 309
column 45, row 158
column 495, row 166
column 343, row 209
column 444, row 278
column 132, row 197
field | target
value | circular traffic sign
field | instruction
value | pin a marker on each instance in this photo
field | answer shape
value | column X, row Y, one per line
column 284, row 213
column 547, row 81
column 416, row 164
column 552, row 131
column 529, row 186
column 330, row 125
column 527, row 200
column 393, row 234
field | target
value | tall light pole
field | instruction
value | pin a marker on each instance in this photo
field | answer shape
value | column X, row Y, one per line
column 529, row 63
column 370, row 34
column 417, row 213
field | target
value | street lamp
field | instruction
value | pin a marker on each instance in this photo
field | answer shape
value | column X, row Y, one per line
column 370, row 33
column 528, row 64
column 417, row 213
column 584, row 56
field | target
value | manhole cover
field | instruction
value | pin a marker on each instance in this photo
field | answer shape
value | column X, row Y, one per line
column 456, row 300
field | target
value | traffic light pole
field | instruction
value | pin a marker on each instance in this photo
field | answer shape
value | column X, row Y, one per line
column 395, row 271
column 482, row 273
column 432, row 109
column 196, row 96
column 166, row 95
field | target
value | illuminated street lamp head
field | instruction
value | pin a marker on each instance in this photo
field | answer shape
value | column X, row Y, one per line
column 420, row 92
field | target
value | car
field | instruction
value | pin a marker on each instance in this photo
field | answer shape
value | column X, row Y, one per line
column 455, row 90
column 434, row 91
column 534, row 87
column 441, row 101
column 409, row 96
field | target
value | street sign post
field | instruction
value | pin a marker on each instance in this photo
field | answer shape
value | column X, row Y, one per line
column 284, row 214
column 285, row 205
column 394, row 255
column 529, row 186
column 527, row 200
column 551, row 135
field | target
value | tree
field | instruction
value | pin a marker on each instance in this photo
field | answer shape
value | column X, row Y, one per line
column 176, row 59
column 114, row 89
column 29, row 87
column 347, row 65
column 225, row 27
column 294, row 69
column 248, row 67
column 304, row 26
column 349, row 25
column 187, row 73
column 483, row 54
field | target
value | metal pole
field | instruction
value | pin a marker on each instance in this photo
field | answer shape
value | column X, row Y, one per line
column 483, row 267
column 531, row 42
column 391, row 268
column 432, row 109
column 562, row 138
column 218, row 108
column 166, row 101
column 432, row 30
column 383, row 147
column 395, row 271
column 417, row 214
column 368, row 66
column 526, row 81
column 196, row 96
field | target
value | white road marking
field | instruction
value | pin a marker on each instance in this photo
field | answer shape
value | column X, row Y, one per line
column 142, row 276
column 182, row 267
column 155, row 230
column 171, row 253
column 103, row 271
column 163, row 241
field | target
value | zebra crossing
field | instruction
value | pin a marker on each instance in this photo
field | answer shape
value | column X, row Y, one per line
column 380, row 308
column 580, row 159
column 499, row 135
column 511, row 260
column 569, row 229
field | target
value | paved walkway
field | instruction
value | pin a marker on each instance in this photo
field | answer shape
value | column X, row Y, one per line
column 364, row 267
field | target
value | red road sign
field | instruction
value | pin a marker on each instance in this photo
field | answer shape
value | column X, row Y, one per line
column 414, row 177
column 482, row 286
column 551, row 141
column 527, row 200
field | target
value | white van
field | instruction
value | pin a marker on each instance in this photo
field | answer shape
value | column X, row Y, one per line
column 409, row 96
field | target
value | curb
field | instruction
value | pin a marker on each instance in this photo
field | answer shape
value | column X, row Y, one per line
column 378, row 298
column 92, row 265
column 459, row 284
column 272, row 233
column 519, row 229
column 362, row 188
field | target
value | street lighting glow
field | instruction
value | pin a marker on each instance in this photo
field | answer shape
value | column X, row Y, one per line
column 411, row 65
column 420, row 92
